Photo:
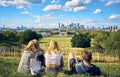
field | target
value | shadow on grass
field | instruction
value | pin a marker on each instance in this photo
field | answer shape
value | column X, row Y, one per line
column 43, row 42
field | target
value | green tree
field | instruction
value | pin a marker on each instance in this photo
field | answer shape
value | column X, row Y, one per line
column 28, row 35
column 2, row 37
column 113, row 41
column 80, row 40
column 99, row 39
column 10, row 36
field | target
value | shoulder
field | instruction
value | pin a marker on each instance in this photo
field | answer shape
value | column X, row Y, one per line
column 28, row 52
column 59, row 53
column 47, row 54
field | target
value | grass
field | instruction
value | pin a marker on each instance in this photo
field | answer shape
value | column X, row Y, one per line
column 8, row 68
column 62, row 41
column 8, row 65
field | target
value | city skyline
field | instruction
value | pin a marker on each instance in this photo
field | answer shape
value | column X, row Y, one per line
column 48, row 13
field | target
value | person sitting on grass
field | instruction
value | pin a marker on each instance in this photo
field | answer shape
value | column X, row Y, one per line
column 83, row 65
column 53, row 59
column 32, row 50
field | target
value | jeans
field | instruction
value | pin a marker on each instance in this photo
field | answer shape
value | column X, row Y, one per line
column 72, row 65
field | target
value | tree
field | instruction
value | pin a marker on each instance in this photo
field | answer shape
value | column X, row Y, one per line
column 9, row 36
column 113, row 41
column 2, row 37
column 99, row 39
column 28, row 35
column 80, row 40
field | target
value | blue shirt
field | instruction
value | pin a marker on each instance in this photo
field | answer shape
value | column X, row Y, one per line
column 92, row 70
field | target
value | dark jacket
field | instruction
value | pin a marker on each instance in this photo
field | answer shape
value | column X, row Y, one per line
column 93, row 70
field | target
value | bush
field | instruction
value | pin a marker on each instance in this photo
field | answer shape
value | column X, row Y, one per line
column 80, row 40
column 113, row 41
column 28, row 35
column 9, row 36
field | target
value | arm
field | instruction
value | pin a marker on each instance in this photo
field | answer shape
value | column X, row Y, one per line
column 68, row 63
column 62, row 62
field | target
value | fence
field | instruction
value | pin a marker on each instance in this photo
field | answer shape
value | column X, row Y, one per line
column 98, row 55
column 11, row 50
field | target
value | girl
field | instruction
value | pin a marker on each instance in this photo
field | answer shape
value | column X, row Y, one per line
column 53, row 58
column 30, row 51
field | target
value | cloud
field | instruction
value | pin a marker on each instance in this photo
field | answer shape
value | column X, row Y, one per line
column 110, row 2
column 77, row 9
column 72, row 3
column 97, row 11
column 26, row 12
column 53, row 7
column 20, row 3
column 43, row 18
column 53, row 1
column 75, row 3
column 114, row 16
column 86, row 1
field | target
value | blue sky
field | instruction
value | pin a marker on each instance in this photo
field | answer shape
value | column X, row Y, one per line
column 48, row 13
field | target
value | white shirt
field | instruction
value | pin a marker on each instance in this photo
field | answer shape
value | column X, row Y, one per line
column 53, row 58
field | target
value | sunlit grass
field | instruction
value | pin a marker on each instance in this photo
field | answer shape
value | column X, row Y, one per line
column 8, row 68
column 62, row 41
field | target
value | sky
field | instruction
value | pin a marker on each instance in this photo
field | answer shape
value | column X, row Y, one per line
column 48, row 13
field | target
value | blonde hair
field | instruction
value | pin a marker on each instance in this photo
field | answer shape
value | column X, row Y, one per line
column 33, row 46
column 53, row 47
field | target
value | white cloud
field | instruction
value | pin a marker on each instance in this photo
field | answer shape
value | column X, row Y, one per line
column 52, row 8
column 26, row 12
column 114, row 16
column 53, row 1
column 97, row 11
column 77, row 9
column 74, row 3
column 43, row 18
column 86, row 1
column 37, row 19
column 20, row 3
column 110, row 2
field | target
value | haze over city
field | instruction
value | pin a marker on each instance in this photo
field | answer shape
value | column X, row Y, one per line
column 48, row 13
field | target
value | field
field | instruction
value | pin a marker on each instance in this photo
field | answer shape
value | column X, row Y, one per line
column 107, row 63
column 62, row 41
column 8, row 68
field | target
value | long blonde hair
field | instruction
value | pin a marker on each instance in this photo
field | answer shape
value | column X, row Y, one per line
column 53, row 47
column 33, row 46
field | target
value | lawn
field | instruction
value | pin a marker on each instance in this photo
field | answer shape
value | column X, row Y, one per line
column 62, row 41
column 8, row 65
column 9, row 69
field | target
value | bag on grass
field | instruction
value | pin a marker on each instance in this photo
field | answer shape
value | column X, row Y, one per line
column 35, row 66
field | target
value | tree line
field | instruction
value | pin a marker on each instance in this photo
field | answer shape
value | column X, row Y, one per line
column 83, row 39
column 97, row 40
column 10, row 37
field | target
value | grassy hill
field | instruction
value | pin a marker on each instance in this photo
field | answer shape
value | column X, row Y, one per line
column 8, row 65
column 8, row 68
column 62, row 41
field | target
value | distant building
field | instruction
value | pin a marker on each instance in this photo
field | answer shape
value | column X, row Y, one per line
column 45, row 34
column 110, row 28
column 63, row 34
column 72, row 26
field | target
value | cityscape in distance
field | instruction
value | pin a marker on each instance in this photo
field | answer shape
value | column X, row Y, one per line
column 47, row 14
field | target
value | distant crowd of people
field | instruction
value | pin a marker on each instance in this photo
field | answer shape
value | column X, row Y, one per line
column 52, row 60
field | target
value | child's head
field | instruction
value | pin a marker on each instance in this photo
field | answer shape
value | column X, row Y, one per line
column 33, row 46
column 53, row 46
column 87, row 56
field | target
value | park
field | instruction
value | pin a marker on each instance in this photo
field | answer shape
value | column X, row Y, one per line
column 107, row 60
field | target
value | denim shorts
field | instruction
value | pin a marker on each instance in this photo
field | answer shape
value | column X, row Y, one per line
column 51, row 70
